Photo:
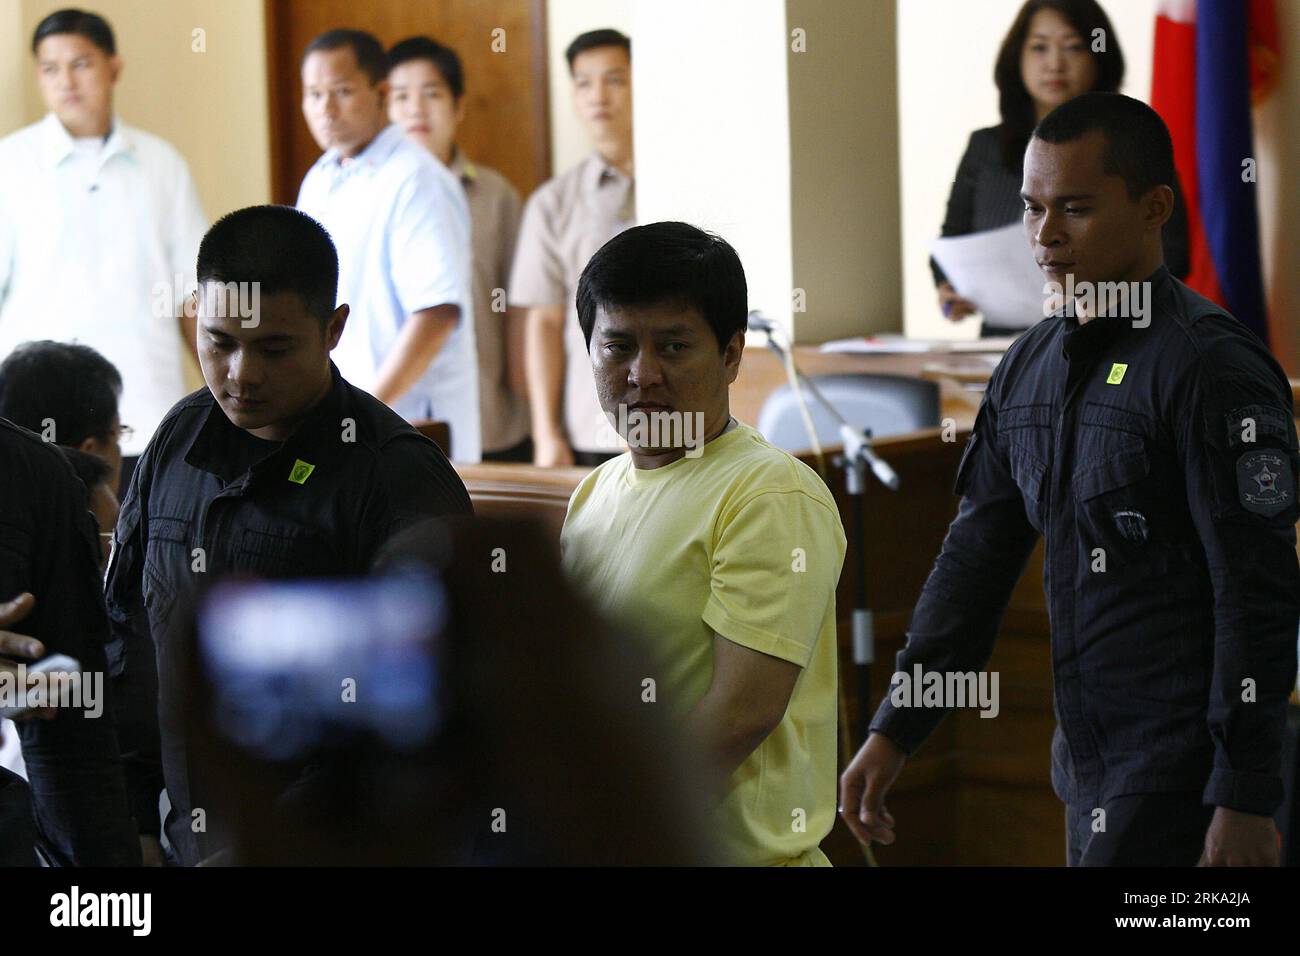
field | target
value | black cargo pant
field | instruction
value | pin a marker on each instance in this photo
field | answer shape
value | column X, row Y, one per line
column 1141, row 829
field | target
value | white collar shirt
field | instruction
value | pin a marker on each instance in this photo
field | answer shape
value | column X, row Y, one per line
column 98, row 246
column 401, row 224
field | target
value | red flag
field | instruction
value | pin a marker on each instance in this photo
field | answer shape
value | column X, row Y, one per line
column 1173, row 96
column 1213, row 60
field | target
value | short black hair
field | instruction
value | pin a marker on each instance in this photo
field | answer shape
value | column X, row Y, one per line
column 1138, row 147
column 81, row 22
column 92, row 26
column 1014, row 101
column 280, row 248
column 667, row 262
column 91, row 469
column 67, row 383
column 444, row 59
column 365, row 47
column 596, row 38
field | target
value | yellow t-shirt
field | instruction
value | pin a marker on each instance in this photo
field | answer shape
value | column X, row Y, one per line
column 745, row 541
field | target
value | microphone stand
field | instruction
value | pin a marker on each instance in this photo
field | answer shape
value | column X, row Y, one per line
column 857, row 457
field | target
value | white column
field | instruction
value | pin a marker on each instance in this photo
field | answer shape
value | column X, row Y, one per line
column 712, row 130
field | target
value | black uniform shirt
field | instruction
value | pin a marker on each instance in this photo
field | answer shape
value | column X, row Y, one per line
column 48, row 546
column 208, row 499
column 1160, row 466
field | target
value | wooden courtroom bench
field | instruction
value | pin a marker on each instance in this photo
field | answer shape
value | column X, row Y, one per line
column 522, row 491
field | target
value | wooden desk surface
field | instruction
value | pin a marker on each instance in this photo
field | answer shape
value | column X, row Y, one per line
column 960, row 376
column 761, row 374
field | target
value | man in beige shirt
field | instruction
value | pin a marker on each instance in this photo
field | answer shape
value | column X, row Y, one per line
column 426, row 100
column 565, row 222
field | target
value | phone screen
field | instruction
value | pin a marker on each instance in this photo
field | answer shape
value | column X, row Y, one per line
column 297, row 667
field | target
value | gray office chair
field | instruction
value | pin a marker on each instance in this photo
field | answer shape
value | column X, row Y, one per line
column 882, row 404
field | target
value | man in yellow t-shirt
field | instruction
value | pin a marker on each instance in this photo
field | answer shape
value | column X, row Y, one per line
column 720, row 550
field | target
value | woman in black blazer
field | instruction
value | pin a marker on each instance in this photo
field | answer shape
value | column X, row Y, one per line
column 1054, row 51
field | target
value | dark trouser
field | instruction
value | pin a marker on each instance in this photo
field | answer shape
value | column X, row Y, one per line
column 17, row 826
column 515, row 454
column 590, row 459
column 1141, row 829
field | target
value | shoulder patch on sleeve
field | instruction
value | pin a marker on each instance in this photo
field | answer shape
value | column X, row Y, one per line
column 1247, row 424
column 1266, row 482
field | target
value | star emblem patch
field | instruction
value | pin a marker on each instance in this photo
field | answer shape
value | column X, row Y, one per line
column 1265, row 482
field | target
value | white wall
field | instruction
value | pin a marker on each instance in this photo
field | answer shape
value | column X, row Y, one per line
column 565, row 19
column 712, row 130
column 946, row 50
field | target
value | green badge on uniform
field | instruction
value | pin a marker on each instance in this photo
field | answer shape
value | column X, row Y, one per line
column 1116, row 373
column 301, row 471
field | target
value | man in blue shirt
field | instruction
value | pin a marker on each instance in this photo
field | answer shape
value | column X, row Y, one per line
column 401, row 224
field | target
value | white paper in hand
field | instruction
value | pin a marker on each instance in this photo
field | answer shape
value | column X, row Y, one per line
column 996, row 270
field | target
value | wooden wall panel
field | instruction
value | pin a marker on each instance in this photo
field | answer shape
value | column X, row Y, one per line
column 975, row 779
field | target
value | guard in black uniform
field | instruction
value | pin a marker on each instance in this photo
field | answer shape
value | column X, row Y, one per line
column 279, row 468
column 1153, row 447
column 76, row 808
